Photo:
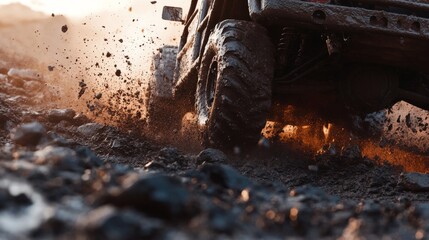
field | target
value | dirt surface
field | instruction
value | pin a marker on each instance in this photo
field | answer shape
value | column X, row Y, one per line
column 69, row 177
column 66, row 174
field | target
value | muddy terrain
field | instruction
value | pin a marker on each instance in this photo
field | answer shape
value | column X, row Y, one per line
column 76, row 164
column 65, row 176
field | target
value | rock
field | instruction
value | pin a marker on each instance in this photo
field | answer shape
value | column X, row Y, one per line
column 211, row 155
column 23, row 209
column 89, row 158
column 80, row 119
column 58, row 115
column 156, row 195
column 60, row 157
column 29, row 134
column 108, row 223
column 416, row 182
column 90, row 129
column 351, row 152
column 24, row 74
column 226, row 176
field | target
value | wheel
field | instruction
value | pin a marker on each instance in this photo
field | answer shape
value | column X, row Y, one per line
column 233, row 94
column 160, row 109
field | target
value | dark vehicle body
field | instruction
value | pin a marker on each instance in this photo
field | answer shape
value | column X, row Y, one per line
column 362, row 55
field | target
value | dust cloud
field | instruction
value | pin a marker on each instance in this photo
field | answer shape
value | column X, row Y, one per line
column 398, row 136
column 98, row 62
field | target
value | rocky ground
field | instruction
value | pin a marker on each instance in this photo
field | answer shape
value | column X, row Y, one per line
column 63, row 176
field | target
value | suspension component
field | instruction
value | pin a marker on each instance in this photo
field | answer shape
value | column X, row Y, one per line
column 287, row 48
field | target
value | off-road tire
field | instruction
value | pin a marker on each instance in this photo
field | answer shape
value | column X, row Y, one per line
column 233, row 94
column 161, row 110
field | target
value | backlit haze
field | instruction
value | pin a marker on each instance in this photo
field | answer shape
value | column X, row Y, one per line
column 102, row 37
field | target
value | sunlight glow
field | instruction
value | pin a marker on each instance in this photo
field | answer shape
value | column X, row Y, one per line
column 74, row 8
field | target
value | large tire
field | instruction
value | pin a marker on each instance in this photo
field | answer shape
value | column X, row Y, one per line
column 160, row 107
column 233, row 94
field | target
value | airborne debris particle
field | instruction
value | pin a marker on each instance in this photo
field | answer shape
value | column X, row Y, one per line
column 90, row 107
column 121, row 40
column 153, row 2
column 108, row 54
column 64, row 28
column 53, row 15
column 130, row 9
column 51, row 68
column 118, row 73
column 83, row 88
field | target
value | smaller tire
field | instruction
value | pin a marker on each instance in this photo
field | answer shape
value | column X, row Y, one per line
column 233, row 94
column 160, row 108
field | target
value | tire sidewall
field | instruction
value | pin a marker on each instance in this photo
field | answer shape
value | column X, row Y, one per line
column 241, row 88
column 204, row 112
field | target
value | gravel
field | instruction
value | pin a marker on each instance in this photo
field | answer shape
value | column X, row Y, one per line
column 415, row 181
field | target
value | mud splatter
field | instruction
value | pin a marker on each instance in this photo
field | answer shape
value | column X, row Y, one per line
column 64, row 28
column 83, row 86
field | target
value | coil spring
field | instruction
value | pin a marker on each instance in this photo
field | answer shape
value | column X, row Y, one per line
column 286, row 38
column 286, row 48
